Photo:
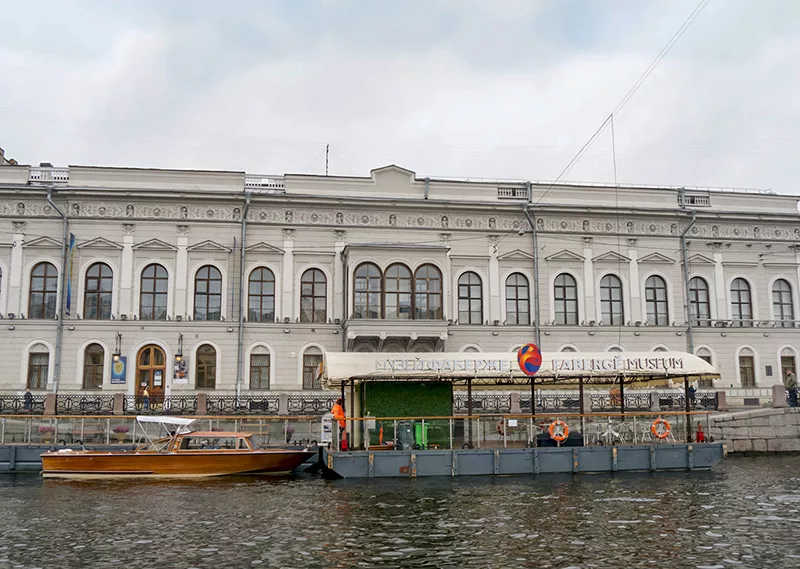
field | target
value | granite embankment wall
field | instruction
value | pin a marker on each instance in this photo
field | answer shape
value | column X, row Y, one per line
column 759, row 430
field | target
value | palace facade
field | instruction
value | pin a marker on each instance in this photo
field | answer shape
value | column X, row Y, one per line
column 225, row 281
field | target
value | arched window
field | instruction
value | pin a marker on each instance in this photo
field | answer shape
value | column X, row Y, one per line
column 206, row 374
column 261, row 296
column 470, row 299
column 153, row 294
column 44, row 291
column 208, row 293
column 655, row 294
column 788, row 363
column 699, row 302
column 470, row 350
column 568, row 349
column 313, row 296
column 782, row 302
column 741, row 303
column 428, row 293
column 611, row 306
column 38, row 366
column 312, row 378
column 660, row 349
column 565, row 293
column 614, row 349
column 518, row 300
column 397, row 285
column 747, row 367
column 367, row 292
column 93, row 360
column 259, row 368
column 97, row 292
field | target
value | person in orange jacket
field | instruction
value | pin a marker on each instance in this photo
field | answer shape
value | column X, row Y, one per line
column 338, row 414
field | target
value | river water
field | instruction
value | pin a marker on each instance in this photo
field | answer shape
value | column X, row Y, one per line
column 746, row 513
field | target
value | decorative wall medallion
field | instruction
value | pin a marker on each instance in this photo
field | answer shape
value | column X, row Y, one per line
column 19, row 226
column 695, row 230
column 609, row 226
column 445, row 222
column 210, row 213
column 630, row 227
column 48, row 209
column 365, row 219
column 157, row 211
column 288, row 233
column 129, row 210
column 420, row 221
column 444, row 238
column 183, row 230
column 756, row 232
column 563, row 225
column 128, row 228
column 76, row 209
column 585, row 225
column 652, row 228
column 314, row 217
column 101, row 211
column 288, row 216
column 20, row 208
column 339, row 235
column 339, row 218
column 736, row 231
column 492, row 223
column 468, row 223
column 539, row 224
column 184, row 212
column 392, row 220
column 515, row 225
column 262, row 216
column 237, row 214
column 632, row 243
column 673, row 228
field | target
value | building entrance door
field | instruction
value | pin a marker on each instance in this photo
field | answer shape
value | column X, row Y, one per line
column 151, row 373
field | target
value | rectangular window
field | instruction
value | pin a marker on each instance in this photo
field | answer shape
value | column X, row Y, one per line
column 311, row 379
column 259, row 371
column 747, row 372
column 38, row 368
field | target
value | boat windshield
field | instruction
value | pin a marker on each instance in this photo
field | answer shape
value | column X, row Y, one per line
column 206, row 443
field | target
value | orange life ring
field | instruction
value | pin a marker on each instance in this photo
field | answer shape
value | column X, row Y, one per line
column 559, row 430
column 660, row 428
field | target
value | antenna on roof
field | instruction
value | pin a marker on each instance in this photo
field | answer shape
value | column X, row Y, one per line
column 327, row 153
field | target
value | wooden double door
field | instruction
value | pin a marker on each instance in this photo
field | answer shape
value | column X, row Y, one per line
column 151, row 373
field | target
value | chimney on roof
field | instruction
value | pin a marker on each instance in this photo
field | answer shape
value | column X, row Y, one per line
column 45, row 165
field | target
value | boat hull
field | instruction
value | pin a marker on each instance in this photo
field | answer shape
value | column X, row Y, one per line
column 521, row 461
column 198, row 464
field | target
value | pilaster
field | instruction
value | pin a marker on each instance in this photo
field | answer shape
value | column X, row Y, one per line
column 16, row 268
column 126, row 270
column 287, row 275
column 590, row 305
column 635, row 286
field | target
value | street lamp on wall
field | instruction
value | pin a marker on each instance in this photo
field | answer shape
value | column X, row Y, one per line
column 179, row 353
column 118, row 348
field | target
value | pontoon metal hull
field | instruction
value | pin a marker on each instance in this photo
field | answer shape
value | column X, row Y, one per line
column 509, row 461
column 192, row 464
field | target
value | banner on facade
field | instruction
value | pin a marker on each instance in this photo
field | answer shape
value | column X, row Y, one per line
column 69, row 272
column 118, row 369
column 180, row 375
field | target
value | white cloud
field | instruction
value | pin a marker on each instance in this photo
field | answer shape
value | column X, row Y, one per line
column 494, row 94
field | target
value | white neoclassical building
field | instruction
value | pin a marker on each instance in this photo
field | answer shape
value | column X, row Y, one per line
column 248, row 279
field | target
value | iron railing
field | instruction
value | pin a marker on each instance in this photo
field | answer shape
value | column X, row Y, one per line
column 310, row 404
column 244, row 405
column 167, row 405
column 17, row 404
column 84, row 404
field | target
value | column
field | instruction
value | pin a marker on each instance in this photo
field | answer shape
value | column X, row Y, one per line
column 590, row 306
column 721, row 291
column 15, row 270
column 287, row 291
column 495, row 312
column 126, row 270
column 635, row 286
column 448, row 310
column 181, row 272
column 338, row 287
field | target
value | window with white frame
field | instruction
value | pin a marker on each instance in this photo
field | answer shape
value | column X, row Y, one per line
column 655, row 291
column 611, row 306
column 565, row 294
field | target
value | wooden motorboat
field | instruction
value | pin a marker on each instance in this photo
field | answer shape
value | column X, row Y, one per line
column 183, row 453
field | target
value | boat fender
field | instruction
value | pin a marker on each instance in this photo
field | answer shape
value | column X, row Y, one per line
column 559, row 430
column 660, row 428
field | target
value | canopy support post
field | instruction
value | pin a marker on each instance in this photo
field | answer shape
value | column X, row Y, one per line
column 622, row 394
column 688, row 405
column 469, row 409
column 580, row 396
column 351, row 438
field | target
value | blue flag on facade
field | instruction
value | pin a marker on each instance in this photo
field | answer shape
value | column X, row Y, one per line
column 69, row 271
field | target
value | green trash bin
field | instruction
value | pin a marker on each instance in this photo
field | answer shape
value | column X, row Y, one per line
column 421, row 434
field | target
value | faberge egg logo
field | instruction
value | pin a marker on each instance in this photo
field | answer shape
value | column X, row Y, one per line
column 529, row 359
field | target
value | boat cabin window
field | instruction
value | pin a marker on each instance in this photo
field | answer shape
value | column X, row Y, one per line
column 207, row 443
column 244, row 445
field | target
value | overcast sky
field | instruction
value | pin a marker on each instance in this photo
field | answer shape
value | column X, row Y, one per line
column 463, row 88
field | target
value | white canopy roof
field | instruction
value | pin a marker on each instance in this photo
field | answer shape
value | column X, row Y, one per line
column 502, row 368
column 165, row 420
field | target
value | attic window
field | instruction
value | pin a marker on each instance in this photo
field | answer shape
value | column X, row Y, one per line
column 512, row 193
column 694, row 199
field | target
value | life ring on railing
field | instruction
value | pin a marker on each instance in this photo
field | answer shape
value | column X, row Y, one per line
column 559, row 431
column 501, row 430
column 660, row 428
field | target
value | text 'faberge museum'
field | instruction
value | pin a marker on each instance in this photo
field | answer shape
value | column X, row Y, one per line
column 247, row 280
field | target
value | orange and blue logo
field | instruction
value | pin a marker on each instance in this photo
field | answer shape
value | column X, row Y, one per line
column 529, row 359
